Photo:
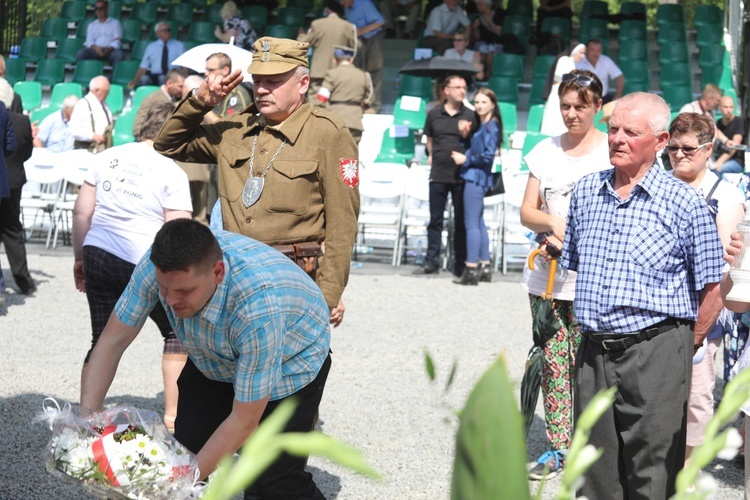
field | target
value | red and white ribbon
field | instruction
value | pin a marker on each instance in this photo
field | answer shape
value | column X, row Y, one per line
column 106, row 455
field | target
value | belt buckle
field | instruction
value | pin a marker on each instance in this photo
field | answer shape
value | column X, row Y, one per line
column 613, row 344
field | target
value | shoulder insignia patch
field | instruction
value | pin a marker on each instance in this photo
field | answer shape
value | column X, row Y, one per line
column 349, row 171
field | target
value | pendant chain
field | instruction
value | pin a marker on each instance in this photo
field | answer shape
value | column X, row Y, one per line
column 252, row 157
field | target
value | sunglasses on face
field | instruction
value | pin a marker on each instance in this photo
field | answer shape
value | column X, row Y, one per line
column 686, row 150
column 582, row 80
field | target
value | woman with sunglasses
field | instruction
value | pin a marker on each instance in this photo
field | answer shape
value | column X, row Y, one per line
column 476, row 171
column 555, row 165
column 690, row 146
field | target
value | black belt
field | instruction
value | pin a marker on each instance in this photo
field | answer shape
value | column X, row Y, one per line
column 614, row 342
column 348, row 103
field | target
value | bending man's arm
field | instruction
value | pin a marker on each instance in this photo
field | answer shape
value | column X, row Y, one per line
column 102, row 366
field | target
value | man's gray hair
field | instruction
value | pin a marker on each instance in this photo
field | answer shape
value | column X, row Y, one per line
column 6, row 93
column 659, row 113
column 301, row 71
column 70, row 101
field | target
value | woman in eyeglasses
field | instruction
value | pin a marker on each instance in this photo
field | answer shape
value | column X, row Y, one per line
column 555, row 165
column 690, row 146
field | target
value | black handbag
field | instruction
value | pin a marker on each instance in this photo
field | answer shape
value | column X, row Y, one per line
column 497, row 185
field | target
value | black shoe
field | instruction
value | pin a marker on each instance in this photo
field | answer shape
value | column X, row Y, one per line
column 470, row 276
column 485, row 275
column 426, row 270
column 29, row 291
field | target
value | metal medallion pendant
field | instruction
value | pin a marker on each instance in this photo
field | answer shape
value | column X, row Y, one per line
column 252, row 191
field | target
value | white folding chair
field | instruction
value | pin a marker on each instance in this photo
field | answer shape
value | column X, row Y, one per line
column 381, row 191
column 74, row 164
column 515, row 242
column 44, row 181
column 494, row 218
column 416, row 214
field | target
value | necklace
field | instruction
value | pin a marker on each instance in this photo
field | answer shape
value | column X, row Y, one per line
column 254, row 185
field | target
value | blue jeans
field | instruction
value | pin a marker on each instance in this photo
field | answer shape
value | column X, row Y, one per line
column 477, row 239
column 732, row 166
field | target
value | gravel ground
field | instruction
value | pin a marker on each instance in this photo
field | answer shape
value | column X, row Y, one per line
column 378, row 397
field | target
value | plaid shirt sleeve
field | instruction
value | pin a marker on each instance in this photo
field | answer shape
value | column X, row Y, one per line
column 140, row 296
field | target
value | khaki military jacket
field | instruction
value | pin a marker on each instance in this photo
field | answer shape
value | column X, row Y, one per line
column 350, row 89
column 310, row 191
column 323, row 35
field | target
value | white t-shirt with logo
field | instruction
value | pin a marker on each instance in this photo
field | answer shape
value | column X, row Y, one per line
column 134, row 187
column 558, row 174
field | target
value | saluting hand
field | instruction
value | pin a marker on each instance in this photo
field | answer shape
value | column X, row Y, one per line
column 215, row 88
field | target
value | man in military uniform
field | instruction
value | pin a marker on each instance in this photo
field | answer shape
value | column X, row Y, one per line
column 287, row 176
column 171, row 92
column 347, row 90
column 323, row 35
column 238, row 99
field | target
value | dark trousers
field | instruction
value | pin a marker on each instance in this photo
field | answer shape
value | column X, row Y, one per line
column 113, row 58
column 643, row 434
column 204, row 404
column 370, row 58
column 11, row 235
column 438, row 200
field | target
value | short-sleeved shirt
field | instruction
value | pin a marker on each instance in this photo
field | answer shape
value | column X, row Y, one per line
column 734, row 127
column 444, row 20
column 106, row 34
column 605, row 69
column 640, row 260
column 265, row 328
column 442, row 128
column 152, row 56
column 55, row 134
column 134, row 186
column 363, row 13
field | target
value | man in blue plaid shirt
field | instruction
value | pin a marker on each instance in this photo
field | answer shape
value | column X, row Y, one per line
column 649, row 262
column 256, row 329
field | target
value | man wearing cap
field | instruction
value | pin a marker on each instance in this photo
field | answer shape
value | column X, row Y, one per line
column 288, row 176
column 346, row 90
column 322, row 36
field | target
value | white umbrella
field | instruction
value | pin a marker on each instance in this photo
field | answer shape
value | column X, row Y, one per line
column 195, row 58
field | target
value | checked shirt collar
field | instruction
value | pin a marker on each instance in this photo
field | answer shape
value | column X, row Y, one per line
column 651, row 183
column 216, row 305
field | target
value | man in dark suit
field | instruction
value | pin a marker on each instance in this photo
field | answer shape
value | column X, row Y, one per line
column 11, row 229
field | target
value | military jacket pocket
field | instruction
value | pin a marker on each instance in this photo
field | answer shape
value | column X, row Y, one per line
column 233, row 178
column 289, row 186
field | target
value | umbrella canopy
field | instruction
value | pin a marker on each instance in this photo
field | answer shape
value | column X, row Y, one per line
column 438, row 67
column 543, row 327
column 195, row 58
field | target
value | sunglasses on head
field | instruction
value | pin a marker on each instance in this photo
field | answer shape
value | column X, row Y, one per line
column 582, row 80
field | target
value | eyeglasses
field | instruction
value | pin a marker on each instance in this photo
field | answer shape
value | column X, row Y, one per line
column 582, row 80
column 686, row 150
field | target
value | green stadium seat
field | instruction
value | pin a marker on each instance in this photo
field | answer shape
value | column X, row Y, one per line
column 711, row 54
column 290, row 16
column 144, row 12
column 116, row 98
column 632, row 30
column 634, row 50
column 201, row 32
column 280, row 31
column 306, row 5
column 672, row 53
column 124, row 71
column 529, row 142
column 594, row 28
column 506, row 64
column 557, row 26
column 537, row 90
column 505, row 88
column 519, row 25
column 520, row 8
column 630, row 8
column 74, row 11
column 212, row 14
column 726, row 81
column 631, row 86
column 534, row 121
column 50, row 71
column 189, row 44
column 676, row 73
column 54, row 29
column 67, row 49
column 131, row 31
column 709, row 35
column 678, row 95
column 711, row 74
column 82, row 28
column 414, row 119
column 30, row 93
column 256, row 14
column 141, row 93
column 86, row 70
column 40, row 114
column 123, row 129
column 33, row 49
column 417, row 86
column 509, row 115
column 15, row 70
column 62, row 90
column 670, row 13
column 708, row 15
column 595, row 9
column 542, row 64
column 635, row 70
column 396, row 149
column 139, row 49
column 671, row 33
column 115, row 10
column 181, row 13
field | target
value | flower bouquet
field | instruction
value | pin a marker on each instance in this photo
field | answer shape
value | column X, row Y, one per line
column 121, row 452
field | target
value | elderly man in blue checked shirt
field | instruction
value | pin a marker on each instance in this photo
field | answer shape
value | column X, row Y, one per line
column 256, row 330
column 649, row 262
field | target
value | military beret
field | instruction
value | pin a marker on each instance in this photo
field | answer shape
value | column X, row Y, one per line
column 273, row 56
